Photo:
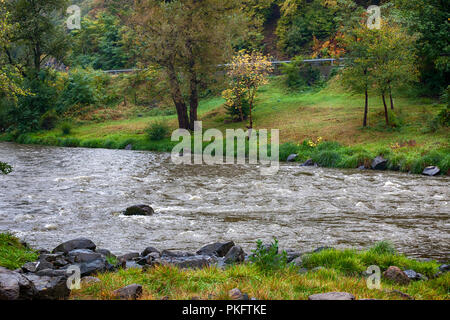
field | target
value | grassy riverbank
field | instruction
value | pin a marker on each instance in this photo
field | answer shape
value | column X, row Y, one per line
column 266, row 279
column 288, row 284
column 329, row 114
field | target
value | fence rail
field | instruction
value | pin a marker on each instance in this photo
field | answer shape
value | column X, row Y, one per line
column 276, row 62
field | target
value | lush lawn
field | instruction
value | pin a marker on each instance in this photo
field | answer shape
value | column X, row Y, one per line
column 330, row 113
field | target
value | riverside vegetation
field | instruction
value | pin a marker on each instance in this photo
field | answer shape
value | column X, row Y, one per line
column 267, row 273
column 322, row 123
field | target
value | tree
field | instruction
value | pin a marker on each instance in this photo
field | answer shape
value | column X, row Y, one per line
column 428, row 19
column 187, row 38
column 37, row 32
column 9, row 75
column 394, row 60
column 357, row 74
column 247, row 73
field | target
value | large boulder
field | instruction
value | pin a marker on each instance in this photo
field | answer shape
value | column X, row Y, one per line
column 431, row 171
column 139, row 210
column 176, row 254
column 379, row 163
column 84, row 255
column 80, row 243
column 395, row 274
column 332, row 296
column 94, row 267
column 128, row 257
column 235, row 255
column 133, row 291
column 15, row 286
column 50, row 288
column 189, row 262
column 219, row 249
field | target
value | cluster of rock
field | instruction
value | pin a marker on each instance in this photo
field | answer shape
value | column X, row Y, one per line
column 379, row 163
column 48, row 277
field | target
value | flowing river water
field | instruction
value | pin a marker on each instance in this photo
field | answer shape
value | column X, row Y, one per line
column 57, row 194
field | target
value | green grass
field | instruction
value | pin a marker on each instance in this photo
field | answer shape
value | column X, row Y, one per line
column 341, row 271
column 286, row 284
column 329, row 113
column 353, row 262
column 13, row 254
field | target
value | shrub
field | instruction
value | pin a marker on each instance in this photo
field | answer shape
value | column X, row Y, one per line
column 267, row 259
column 157, row 131
column 327, row 158
column 66, row 128
column 48, row 120
column 5, row 168
column 383, row 247
column 300, row 74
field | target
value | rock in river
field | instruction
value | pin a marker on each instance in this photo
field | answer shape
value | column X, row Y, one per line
column 139, row 210
column 431, row 171
column 291, row 158
column 379, row 163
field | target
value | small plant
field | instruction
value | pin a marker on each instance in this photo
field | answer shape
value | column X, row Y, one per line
column 383, row 247
column 267, row 259
column 66, row 128
column 5, row 168
column 157, row 131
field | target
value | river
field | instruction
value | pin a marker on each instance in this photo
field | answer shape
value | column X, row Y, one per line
column 57, row 194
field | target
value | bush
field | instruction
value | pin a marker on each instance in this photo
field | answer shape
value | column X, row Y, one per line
column 66, row 128
column 327, row 158
column 267, row 259
column 48, row 120
column 5, row 168
column 26, row 116
column 157, row 131
column 300, row 74
column 383, row 247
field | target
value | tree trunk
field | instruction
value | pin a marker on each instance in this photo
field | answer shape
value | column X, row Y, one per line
column 193, row 99
column 392, row 100
column 250, row 104
column 37, row 57
column 366, row 108
column 385, row 109
column 177, row 97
